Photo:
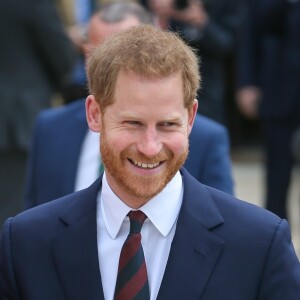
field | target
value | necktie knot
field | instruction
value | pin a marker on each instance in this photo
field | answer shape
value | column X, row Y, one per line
column 137, row 219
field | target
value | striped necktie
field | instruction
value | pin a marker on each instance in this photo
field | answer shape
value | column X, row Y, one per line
column 132, row 279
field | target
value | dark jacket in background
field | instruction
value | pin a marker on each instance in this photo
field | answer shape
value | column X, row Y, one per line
column 269, row 58
column 36, row 58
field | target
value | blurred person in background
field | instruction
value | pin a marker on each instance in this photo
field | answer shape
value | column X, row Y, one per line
column 268, row 80
column 75, row 15
column 210, row 27
column 36, row 59
column 71, row 144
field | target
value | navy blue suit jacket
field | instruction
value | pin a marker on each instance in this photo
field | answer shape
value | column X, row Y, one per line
column 56, row 146
column 223, row 248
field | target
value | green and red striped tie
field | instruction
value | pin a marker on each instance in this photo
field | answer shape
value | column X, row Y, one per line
column 132, row 279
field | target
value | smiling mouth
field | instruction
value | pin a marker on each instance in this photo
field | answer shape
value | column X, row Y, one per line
column 144, row 165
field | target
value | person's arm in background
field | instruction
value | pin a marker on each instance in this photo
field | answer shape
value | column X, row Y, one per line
column 264, row 17
column 248, row 92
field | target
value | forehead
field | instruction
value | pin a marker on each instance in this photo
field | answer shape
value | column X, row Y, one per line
column 131, row 77
column 159, row 93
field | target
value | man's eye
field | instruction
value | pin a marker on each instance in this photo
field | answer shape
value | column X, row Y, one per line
column 167, row 124
column 132, row 122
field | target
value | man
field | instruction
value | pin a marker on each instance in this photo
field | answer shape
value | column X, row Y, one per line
column 269, row 88
column 197, row 242
column 36, row 59
column 56, row 144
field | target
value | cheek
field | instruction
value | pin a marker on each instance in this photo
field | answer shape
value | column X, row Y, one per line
column 177, row 144
column 118, row 141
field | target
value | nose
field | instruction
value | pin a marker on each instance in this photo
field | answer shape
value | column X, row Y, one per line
column 149, row 142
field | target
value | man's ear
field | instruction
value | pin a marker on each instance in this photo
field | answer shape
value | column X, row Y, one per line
column 192, row 115
column 93, row 113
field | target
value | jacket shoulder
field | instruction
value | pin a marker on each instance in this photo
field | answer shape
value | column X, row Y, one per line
column 205, row 126
column 60, row 113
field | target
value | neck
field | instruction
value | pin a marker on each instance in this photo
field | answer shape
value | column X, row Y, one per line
column 129, row 198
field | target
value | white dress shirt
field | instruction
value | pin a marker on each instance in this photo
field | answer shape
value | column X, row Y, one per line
column 157, row 233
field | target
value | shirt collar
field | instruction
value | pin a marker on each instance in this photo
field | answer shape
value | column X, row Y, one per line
column 162, row 210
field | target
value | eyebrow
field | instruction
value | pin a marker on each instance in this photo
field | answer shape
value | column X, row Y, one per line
column 125, row 115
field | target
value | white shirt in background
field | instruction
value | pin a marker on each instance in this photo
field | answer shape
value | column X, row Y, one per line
column 89, row 161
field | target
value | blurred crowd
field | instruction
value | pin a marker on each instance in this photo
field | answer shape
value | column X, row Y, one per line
column 249, row 52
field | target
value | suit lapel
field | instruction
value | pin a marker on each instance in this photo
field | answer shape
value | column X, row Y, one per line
column 75, row 248
column 195, row 248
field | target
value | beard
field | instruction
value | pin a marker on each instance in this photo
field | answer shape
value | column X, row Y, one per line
column 140, row 186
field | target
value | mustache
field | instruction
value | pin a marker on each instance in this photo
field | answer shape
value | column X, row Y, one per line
column 163, row 155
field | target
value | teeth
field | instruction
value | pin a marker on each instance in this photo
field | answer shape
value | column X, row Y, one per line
column 145, row 165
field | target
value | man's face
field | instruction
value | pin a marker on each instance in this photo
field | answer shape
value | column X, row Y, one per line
column 144, row 135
